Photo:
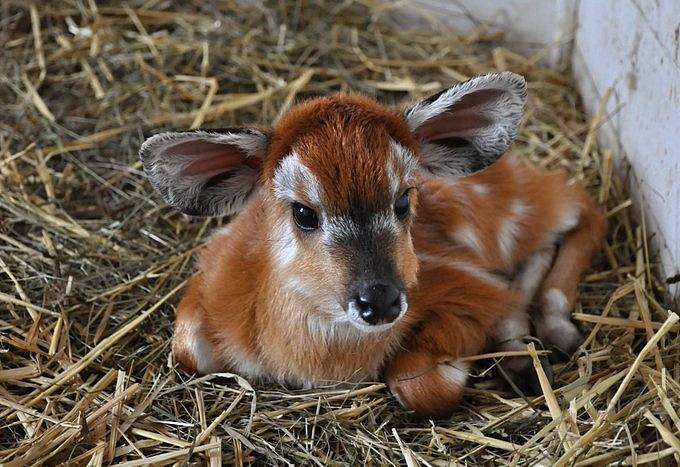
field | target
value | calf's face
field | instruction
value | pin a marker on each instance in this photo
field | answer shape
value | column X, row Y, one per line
column 345, row 196
column 339, row 178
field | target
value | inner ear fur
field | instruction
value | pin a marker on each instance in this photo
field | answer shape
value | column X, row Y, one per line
column 205, row 172
column 467, row 127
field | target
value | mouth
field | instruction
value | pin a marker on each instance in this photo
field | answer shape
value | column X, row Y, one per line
column 354, row 315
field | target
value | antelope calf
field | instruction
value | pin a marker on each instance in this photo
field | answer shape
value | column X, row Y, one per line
column 369, row 242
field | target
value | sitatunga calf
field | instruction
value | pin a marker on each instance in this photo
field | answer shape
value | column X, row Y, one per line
column 370, row 242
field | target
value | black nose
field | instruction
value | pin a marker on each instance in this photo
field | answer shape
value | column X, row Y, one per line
column 379, row 304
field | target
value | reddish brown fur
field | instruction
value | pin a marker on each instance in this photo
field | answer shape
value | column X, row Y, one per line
column 240, row 304
column 458, row 310
column 337, row 129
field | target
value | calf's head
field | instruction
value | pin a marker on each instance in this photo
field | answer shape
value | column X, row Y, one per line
column 338, row 177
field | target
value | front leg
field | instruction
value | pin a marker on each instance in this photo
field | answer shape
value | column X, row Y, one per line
column 208, row 340
column 425, row 385
column 455, row 312
column 191, row 346
column 510, row 333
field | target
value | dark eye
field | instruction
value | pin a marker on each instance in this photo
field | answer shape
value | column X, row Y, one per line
column 401, row 206
column 305, row 217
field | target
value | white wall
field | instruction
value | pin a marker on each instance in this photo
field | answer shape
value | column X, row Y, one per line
column 527, row 25
column 633, row 46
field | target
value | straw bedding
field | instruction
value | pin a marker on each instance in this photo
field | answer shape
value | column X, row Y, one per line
column 92, row 263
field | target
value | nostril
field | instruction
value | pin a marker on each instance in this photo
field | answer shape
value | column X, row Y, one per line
column 363, row 301
column 397, row 301
column 379, row 303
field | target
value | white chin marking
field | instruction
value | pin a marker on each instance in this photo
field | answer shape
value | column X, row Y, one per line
column 454, row 373
column 355, row 318
column 555, row 302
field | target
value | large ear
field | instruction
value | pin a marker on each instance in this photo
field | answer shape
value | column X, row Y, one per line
column 205, row 172
column 467, row 127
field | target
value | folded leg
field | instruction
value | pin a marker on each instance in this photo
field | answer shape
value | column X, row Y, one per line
column 455, row 309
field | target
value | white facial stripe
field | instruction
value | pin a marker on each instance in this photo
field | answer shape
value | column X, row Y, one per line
column 223, row 231
column 336, row 228
column 283, row 244
column 288, row 174
column 393, row 177
column 404, row 159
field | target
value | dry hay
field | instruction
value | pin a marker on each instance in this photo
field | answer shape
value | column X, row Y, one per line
column 92, row 261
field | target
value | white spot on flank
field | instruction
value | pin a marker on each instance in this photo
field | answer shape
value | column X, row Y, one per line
column 569, row 218
column 519, row 207
column 480, row 189
column 427, row 260
column 455, row 373
column 531, row 275
column 555, row 302
column 510, row 230
column 467, row 236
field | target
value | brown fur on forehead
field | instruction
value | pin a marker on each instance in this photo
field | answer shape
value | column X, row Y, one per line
column 345, row 141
